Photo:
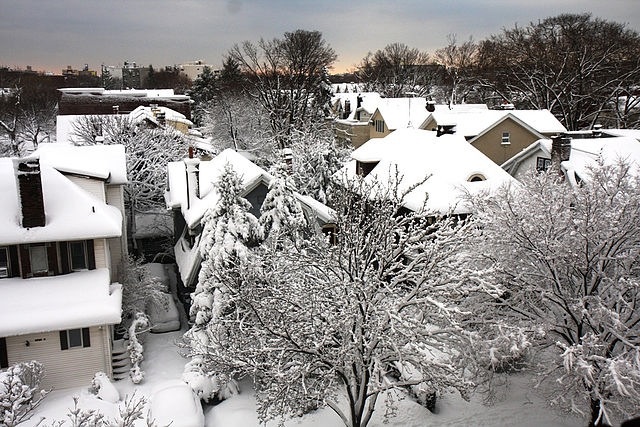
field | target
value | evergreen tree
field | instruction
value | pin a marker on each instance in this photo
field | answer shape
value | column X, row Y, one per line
column 229, row 231
column 203, row 91
column 282, row 215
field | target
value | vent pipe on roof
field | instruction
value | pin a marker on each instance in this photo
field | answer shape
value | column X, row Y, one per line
column 430, row 106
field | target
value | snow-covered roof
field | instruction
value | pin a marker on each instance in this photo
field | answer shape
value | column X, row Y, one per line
column 76, row 300
column 194, row 207
column 449, row 161
column 399, row 113
column 585, row 153
column 106, row 162
column 136, row 93
column 71, row 213
column 142, row 113
column 370, row 101
column 472, row 122
column 632, row 133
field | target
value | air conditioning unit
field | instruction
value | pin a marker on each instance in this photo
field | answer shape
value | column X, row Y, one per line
column 4, row 272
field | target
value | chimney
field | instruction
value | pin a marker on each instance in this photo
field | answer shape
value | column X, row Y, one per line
column 193, row 180
column 30, row 193
column 347, row 109
column 560, row 150
column 597, row 131
column 431, row 106
column 359, row 101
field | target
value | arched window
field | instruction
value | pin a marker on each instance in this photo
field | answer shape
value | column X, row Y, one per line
column 476, row 178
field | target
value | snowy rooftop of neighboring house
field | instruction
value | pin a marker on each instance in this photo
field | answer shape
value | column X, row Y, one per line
column 449, row 161
column 370, row 101
column 70, row 212
column 147, row 113
column 137, row 93
column 193, row 208
column 399, row 113
column 585, row 153
column 76, row 300
column 106, row 162
column 472, row 122
column 632, row 133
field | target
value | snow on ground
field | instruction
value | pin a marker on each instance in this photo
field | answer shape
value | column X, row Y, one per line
column 163, row 363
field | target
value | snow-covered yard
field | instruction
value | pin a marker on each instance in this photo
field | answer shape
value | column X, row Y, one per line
column 163, row 363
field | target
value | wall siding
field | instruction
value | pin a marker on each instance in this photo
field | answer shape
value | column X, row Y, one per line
column 101, row 251
column 117, row 246
column 92, row 186
column 63, row 368
column 490, row 143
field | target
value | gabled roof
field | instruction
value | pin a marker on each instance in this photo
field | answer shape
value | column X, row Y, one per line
column 449, row 161
column 400, row 113
column 504, row 118
column 70, row 212
column 194, row 207
column 42, row 304
column 370, row 101
column 471, row 123
column 585, row 153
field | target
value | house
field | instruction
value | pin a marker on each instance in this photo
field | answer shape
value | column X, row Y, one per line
column 572, row 153
column 353, row 112
column 191, row 193
column 452, row 167
column 498, row 134
column 61, row 243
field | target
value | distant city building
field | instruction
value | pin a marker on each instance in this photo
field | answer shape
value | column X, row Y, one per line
column 193, row 69
column 69, row 71
column 134, row 77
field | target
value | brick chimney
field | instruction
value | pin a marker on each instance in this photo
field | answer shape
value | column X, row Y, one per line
column 30, row 193
column 560, row 151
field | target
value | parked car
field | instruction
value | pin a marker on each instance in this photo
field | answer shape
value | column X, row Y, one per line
column 174, row 403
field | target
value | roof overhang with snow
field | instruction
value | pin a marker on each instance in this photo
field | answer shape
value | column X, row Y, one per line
column 76, row 300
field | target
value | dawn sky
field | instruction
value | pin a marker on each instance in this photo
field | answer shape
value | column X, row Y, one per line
column 51, row 34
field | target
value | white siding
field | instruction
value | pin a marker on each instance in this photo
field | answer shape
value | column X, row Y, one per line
column 63, row 368
column 101, row 252
column 117, row 246
column 92, row 186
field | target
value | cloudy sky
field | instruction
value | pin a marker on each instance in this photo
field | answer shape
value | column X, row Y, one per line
column 51, row 34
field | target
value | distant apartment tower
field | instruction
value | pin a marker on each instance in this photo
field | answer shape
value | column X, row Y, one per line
column 134, row 77
column 193, row 69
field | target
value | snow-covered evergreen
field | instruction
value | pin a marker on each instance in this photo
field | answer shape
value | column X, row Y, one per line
column 282, row 215
column 229, row 231
column 20, row 392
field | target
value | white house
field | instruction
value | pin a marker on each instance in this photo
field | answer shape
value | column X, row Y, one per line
column 61, row 241
column 574, row 153
column 452, row 167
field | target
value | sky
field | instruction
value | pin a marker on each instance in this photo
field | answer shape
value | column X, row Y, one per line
column 51, row 34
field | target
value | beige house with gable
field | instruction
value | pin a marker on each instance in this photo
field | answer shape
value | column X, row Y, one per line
column 61, row 245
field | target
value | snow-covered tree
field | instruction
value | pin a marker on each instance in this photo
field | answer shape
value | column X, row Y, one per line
column 229, row 231
column 320, row 324
column 139, row 325
column 148, row 152
column 568, row 263
column 20, row 392
column 138, row 288
column 282, row 215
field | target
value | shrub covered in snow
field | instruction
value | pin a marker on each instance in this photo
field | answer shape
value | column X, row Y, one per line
column 140, row 324
column 102, row 387
column 20, row 393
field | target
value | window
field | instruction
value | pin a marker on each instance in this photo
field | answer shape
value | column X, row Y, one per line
column 39, row 259
column 505, row 138
column 4, row 262
column 74, row 338
column 542, row 164
column 476, row 178
column 379, row 126
column 78, row 255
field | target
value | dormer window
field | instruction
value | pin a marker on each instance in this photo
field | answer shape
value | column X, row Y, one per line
column 363, row 169
column 476, row 178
